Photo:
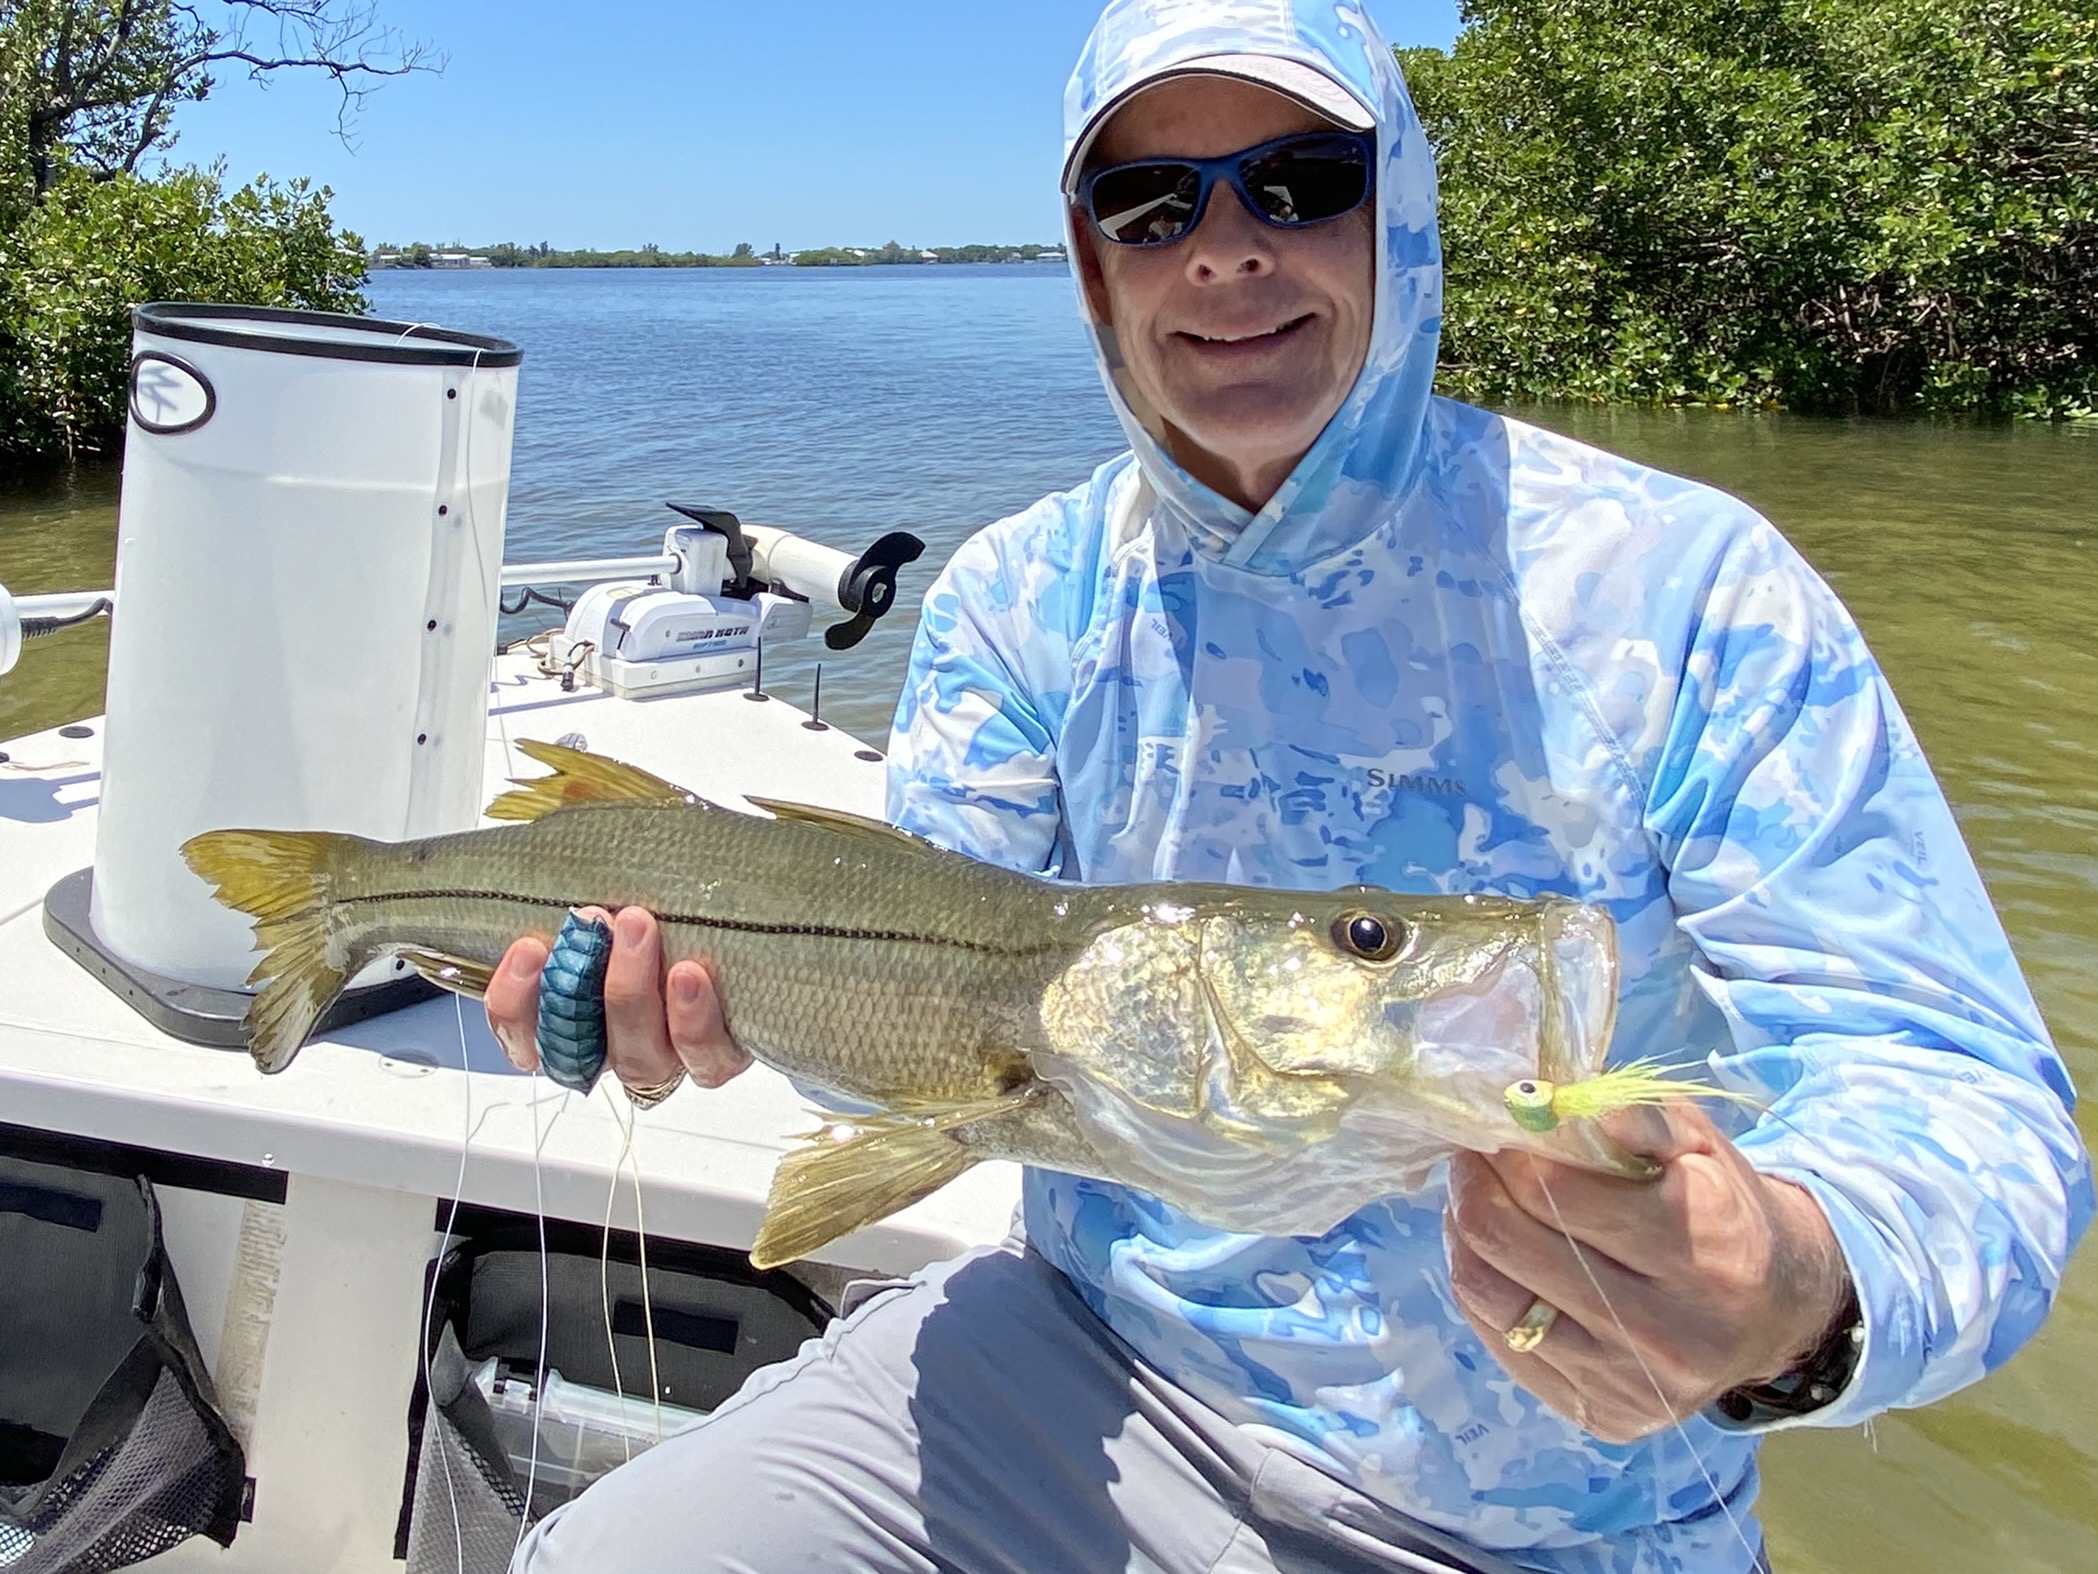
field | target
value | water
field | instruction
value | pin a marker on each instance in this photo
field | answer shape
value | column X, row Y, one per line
column 850, row 402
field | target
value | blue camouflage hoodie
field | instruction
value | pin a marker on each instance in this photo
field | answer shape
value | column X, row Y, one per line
column 1457, row 653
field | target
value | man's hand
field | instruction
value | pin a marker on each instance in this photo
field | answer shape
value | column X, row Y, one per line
column 1718, row 1274
column 653, row 1024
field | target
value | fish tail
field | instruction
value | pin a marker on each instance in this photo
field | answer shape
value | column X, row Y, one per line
column 281, row 879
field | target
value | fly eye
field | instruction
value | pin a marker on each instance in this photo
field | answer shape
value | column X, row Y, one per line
column 1365, row 935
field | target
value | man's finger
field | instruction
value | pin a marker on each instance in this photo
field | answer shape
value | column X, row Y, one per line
column 698, row 1031
column 1640, row 1223
column 1636, row 1223
column 512, row 1002
column 1493, row 1303
column 1483, row 1292
column 1575, row 1278
column 1557, row 1371
column 637, row 1033
column 1662, row 1132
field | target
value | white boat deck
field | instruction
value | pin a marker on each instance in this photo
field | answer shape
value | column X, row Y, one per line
column 309, row 1313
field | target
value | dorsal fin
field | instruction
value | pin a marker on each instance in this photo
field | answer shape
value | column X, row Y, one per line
column 579, row 778
column 835, row 820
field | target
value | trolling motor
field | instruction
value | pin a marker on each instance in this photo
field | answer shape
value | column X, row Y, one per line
column 32, row 617
column 722, row 591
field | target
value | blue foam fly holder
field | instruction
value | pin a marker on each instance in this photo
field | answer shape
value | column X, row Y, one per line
column 572, row 1003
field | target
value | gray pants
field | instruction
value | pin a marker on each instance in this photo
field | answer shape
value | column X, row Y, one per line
column 977, row 1419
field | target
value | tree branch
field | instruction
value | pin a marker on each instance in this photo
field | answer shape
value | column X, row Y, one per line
column 105, row 76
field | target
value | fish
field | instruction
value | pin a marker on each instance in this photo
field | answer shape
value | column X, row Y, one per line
column 1264, row 1060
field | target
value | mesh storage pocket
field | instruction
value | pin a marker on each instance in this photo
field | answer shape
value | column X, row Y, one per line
column 714, row 1320
column 466, row 1510
column 111, row 1445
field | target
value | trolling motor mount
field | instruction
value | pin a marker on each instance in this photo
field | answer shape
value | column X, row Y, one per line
column 733, row 588
column 765, row 558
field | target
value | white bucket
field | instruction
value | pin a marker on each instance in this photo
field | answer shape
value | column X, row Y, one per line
column 310, row 543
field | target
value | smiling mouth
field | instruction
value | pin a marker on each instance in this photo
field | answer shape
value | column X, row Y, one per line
column 1235, row 340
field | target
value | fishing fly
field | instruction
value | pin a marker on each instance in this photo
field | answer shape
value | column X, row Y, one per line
column 1539, row 1106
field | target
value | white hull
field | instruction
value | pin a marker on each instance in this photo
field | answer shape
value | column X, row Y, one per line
column 309, row 1309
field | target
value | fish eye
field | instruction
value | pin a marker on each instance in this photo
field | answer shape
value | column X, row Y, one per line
column 1366, row 935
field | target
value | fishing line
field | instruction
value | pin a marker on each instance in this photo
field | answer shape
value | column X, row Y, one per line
column 478, row 555
column 432, row 1418
column 1660, row 1395
column 628, row 1122
column 648, row 1311
column 604, row 1265
column 1764, row 1110
column 539, row 1384
column 472, row 522
column 502, row 722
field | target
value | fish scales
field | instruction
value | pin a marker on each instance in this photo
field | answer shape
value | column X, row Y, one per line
column 881, row 987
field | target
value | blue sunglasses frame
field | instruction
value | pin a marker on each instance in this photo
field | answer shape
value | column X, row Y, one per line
column 1230, row 169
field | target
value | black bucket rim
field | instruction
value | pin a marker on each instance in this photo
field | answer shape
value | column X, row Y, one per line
column 398, row 343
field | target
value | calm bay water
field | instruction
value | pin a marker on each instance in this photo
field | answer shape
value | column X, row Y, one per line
column 849, row 402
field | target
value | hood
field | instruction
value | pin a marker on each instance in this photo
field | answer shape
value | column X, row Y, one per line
column 1366, row 459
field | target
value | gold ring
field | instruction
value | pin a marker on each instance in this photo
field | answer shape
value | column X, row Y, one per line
column 1530, row 1328
column 650, row 1097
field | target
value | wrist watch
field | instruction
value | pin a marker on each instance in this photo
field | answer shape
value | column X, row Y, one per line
column 1813, row 1384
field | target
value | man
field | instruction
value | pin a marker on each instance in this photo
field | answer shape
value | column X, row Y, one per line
column 1318, row 628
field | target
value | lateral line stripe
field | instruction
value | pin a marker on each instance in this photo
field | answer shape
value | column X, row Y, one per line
column 697, row 921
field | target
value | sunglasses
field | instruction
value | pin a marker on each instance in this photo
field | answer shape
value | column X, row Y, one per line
column 1290, row 182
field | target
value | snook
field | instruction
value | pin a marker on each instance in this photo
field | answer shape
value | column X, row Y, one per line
column 1262, row 1060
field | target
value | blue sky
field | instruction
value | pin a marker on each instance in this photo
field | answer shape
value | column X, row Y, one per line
column 696, row 125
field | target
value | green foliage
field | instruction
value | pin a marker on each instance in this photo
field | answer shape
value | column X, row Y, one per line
column 1027, row 253
column 93, row 82
column 96, row 84
column 1840, row 205
column 508, row 254
column 73, row 267
column 853, row 256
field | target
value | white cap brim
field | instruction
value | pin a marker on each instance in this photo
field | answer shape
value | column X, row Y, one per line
column 1293, row 79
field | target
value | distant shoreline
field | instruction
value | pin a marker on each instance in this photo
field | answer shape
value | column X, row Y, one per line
column 419, row 257
column 688, row 267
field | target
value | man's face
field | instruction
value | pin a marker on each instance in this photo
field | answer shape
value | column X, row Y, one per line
column 1244, row 337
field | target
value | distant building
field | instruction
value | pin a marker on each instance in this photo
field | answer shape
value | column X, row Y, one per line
column 1051, row 254
column 458, row 259
column 928, row 256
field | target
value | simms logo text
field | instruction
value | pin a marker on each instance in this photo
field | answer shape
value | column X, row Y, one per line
column 1401, row 782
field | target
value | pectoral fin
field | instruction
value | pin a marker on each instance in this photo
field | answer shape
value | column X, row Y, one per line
column 853, row 1175
column 456, row 973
